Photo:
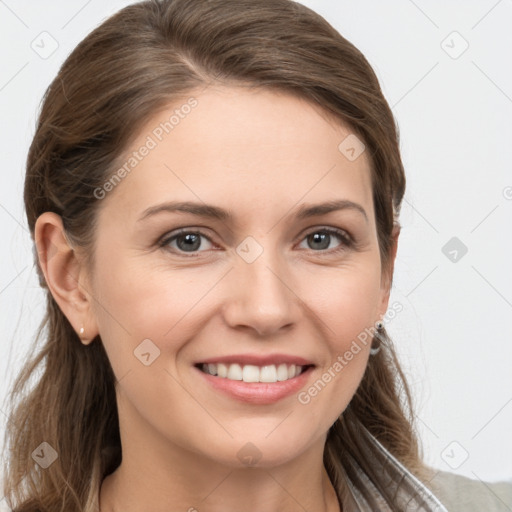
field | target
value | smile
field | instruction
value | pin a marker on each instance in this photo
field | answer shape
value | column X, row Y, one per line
column 252, row 373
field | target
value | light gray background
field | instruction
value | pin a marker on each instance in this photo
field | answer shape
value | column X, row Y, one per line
column 454, row 109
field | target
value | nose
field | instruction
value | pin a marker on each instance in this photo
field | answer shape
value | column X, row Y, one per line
column 263, row 296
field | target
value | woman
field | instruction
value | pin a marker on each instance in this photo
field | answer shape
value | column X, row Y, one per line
column 201, row 353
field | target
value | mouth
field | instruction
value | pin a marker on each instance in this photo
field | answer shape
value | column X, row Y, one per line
column 255, row 379
column 252, row 373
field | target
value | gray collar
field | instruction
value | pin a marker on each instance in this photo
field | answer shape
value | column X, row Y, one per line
column 412, row 494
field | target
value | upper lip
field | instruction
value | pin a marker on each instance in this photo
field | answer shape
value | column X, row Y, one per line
column 258, row 360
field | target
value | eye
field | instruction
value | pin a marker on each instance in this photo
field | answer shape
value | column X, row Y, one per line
column 321, row 238
column 186, row 241
column 190, row 241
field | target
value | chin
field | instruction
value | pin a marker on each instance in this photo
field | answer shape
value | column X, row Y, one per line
column 259, row 449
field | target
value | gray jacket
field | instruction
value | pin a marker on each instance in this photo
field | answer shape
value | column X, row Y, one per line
column 461, row 494
column 446, row 492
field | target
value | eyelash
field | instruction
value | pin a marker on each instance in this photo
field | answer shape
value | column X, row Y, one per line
column 344, row 237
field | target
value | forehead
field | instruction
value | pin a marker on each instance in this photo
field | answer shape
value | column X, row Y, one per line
column 246, row 147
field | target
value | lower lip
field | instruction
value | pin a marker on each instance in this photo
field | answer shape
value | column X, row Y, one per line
column 257, row 392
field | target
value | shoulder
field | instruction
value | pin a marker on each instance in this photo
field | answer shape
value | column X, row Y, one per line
column 461, row 494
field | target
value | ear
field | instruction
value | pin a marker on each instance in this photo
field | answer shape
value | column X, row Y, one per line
column 387, row 276
column 65, row 275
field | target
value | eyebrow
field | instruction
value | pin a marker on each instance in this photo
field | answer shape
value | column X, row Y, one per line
column 215, row 212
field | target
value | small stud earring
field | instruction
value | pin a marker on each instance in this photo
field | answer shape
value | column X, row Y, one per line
column 82, row 330
column 375, row 349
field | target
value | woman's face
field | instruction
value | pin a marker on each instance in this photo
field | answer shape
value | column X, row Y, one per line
column 246, row 272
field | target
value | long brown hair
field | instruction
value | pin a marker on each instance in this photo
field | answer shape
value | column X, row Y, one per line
column 142, row 58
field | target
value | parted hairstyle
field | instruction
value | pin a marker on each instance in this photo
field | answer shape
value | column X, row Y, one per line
column 139, row 60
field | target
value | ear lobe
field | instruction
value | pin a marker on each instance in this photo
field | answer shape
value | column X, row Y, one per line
column 63, row 272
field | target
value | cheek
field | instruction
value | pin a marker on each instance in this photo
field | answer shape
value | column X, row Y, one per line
column 347, row 305
column 356, row 311
column 135, row 304
column 347, row 301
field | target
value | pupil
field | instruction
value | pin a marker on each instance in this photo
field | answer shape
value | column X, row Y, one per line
column 192, row 241
column 321, row 237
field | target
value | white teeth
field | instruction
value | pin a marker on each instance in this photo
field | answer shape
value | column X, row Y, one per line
column 253, row 373
column 282, row 372
column 222, row 370
column 268, row 373
column 235, row 372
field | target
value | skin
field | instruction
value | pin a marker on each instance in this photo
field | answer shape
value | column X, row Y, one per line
column 260, row 154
